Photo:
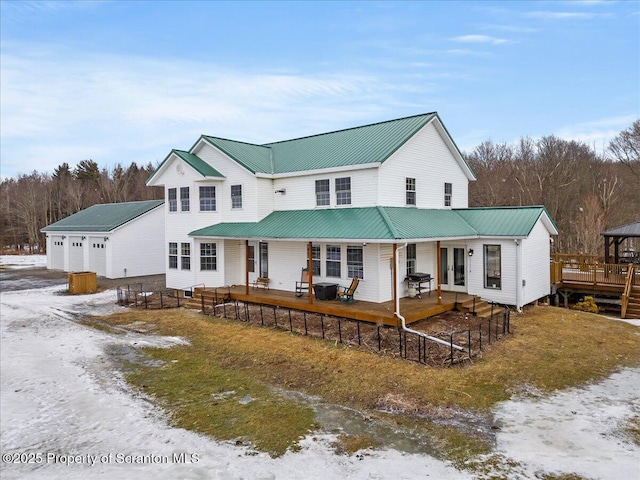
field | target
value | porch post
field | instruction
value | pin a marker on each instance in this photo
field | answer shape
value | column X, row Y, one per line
column 246, row 267
column 438, row 273
column 394, row 273
column 310, row 269
column 607, row 254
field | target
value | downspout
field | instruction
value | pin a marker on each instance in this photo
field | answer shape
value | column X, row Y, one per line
column 397, row 304
column 519, row 279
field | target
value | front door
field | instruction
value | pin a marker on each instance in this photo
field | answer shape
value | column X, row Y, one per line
column 453, row 269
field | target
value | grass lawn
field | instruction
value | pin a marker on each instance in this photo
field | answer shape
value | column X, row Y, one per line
column 232, row 381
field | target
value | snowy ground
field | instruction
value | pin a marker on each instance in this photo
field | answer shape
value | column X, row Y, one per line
column 66, row 413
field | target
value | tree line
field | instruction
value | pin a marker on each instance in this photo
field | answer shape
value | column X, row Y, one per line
column 584, row 192
column 31, row 202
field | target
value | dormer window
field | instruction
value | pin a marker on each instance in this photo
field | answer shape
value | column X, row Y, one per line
column 448, row 193
column 343, row 191
column 410, row 191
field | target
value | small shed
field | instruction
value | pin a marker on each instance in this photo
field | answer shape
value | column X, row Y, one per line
column 114, row 240
column 615, row 237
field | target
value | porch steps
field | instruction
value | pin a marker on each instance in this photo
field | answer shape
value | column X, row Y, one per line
column 483, row 308
column 633, row 307
column 210, row 297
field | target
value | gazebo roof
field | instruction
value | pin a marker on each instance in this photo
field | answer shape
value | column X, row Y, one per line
column 629, row 230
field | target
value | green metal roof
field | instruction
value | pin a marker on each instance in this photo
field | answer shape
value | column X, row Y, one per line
column 382, row 223
column 103, row 218
column 199, row 165
column 353, row 146
column 504, row 221
column 255, row 158
column 366, row 144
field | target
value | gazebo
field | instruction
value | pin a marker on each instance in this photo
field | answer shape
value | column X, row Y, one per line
column 615, row 237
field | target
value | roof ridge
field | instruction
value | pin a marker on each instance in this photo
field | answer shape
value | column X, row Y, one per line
column 234, row 141
column 347, row 129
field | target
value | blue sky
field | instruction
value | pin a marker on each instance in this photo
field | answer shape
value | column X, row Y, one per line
column 123, row 81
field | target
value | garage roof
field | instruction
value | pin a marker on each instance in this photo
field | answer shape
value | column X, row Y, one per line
column 103, row 217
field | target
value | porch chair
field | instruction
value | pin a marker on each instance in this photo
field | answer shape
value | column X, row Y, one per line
column 346, row 294
column 303, row 284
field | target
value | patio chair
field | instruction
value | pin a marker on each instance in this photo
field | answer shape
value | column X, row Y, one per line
column 303, row 284
column 346, row 294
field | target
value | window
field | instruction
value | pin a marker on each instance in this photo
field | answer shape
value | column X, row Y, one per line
column 252, row 258
column 411, row 259
column 492, row 267
column 343, row 191
column 448, row 189
column 322, row 193
column 173, row 200
column 333, row 261
column 184, row 199
column 355, row 262
column 264, row 259
column 315, row 258
column 185, row 256
column 236, row 196
column 208, row 260
column 207, row 199
column 410, row 186
column 173, row 255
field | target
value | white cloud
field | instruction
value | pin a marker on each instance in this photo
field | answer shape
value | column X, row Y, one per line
column 480, row 39
column 597, row 133
column 59, row 108
column 548, row 15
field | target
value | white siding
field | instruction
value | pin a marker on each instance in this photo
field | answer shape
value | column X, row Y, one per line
column 507, row 294
column 426, row 158
column 137, row 247
column 535, row 264
column 301, row 190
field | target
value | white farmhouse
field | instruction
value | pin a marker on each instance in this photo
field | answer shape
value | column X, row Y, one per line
column 115, row 240
column 379, row 202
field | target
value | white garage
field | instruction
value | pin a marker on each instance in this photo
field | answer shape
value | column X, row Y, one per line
column 115, row 240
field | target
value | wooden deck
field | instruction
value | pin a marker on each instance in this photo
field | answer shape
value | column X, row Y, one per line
column 607, row 279
column 413, row 309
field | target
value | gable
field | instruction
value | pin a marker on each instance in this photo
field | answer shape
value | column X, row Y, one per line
column 195, row 163
column 104, row 217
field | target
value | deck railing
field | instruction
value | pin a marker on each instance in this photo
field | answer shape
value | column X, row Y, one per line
column 590, row 273
column 630, row 280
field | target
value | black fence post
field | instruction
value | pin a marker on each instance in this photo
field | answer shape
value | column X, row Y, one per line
column 359, row 340
column 339, row 330
column 290, row 322
column 305, row 323
column 379, row 340
column 480, row 329
column 275, row 316
column 451, row 347
column 322, row 324
column 469, row 334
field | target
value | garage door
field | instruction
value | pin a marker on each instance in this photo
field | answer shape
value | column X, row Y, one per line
column 57, row 252
column 97, row 256
column 76, row 260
